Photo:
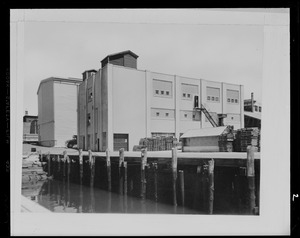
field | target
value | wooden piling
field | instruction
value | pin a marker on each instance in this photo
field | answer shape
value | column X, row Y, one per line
column 174, row 158
column 108, row 169
column 92, row 195
column 211, row 165
column 197, row 201
column 143, row 158
column 121, row 178
column 58, row 163
column 49, row 163
column 155, row 182
column 125, row 186
column 143, row 184
column 69, row 165
column 80, row 167
column 80, row 198
column 65, row 162
column 174, row 188
column 121, row 157
column 251, row 179
column 125, row 177
column 92, row 168
column 143, row 172
column 181, row 184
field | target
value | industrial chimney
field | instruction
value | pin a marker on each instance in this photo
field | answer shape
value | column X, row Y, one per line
column 252, row 102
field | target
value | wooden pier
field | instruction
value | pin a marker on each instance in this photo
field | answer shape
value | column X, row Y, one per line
column 115, row 169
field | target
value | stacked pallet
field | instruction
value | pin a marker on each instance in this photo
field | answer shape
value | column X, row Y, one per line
column 158, row 143
column 246, row 137
column 226, row 142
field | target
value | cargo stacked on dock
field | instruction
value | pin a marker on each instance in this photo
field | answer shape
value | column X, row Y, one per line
column 158, row 143
column 246, row 137
column 226, row 140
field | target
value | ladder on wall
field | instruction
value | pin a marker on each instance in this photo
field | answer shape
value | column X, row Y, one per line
column 208, row 116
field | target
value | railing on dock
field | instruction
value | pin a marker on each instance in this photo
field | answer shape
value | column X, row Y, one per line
column 108, row 168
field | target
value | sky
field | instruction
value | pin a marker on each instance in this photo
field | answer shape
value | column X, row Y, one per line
column 230, row 53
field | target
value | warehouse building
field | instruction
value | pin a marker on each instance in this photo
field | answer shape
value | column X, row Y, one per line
column 120, row 104
column 57, row 110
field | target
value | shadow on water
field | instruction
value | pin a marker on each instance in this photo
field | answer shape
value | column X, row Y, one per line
column 155, row 190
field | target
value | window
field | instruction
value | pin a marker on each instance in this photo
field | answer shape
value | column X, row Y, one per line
column 188, row 90
column 89, row 118
column 90, row 94
column 161, row 113
column 185, row 115
column 232, row 96
column 255, row 108
column 162, row 88
column 213, row 94
column 259, row 109
column 194, row 116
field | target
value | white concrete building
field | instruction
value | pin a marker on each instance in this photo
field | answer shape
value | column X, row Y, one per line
column 119, row 104
column 57, row 110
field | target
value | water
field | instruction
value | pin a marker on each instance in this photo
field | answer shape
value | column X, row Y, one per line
column 158, row 191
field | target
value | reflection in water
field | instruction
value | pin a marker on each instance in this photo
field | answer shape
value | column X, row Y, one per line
column 128, row 189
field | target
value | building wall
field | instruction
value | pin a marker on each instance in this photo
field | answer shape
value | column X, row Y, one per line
column 129, row 103
column 46, row 114
column 142, row 103
column 65, row 104
column 186, row 104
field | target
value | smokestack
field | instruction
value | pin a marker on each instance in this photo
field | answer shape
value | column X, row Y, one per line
column 252, row 102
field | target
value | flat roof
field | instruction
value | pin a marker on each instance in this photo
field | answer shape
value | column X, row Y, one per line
column 69, row 80
column 203, row 132
column 253, row 115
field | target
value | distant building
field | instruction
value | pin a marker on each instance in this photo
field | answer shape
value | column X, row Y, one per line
column 119, row 104
column 30, row 128
column 252, row 112
column 57, row 110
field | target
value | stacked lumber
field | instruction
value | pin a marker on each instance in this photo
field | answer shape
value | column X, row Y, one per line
column 246, row 137
column 158, row 143
column 226, row 142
